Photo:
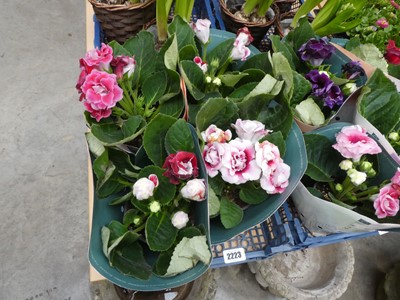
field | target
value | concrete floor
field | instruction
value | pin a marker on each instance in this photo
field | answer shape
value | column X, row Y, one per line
column 43, row 178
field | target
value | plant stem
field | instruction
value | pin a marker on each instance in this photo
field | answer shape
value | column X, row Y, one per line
column 140, row 228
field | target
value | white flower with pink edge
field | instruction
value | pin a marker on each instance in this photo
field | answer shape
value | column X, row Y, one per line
column 212, row 155
column 267, row 156
column 238, row 162
column 276, row 181
column 143, row 188
column 194, row 189
column 214, row 134
column 250, row 130
column 202, row 30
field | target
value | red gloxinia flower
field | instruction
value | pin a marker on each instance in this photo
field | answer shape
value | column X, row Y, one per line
column 392, row 54
column 182, row 165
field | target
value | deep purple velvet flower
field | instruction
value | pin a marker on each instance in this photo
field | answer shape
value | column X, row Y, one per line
column 320, row 83
column 334, row 97
column 352, row 70
column 315, row 51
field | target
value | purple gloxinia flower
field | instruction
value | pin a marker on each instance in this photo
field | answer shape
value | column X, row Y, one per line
column 352, row 70
column 320, row 83
column 333, row 97
column 315, row 51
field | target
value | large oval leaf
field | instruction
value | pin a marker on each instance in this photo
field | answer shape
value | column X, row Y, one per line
column 231, row 214
column 179, row 138
column 160, row 233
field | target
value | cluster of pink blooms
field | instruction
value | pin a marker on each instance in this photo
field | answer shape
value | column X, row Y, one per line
column 97, row 83
column 244, row 158
column 180, row 166
column 353, row 142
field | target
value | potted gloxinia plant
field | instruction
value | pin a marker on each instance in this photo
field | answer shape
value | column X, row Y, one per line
column 323, row 76
column 348, row 167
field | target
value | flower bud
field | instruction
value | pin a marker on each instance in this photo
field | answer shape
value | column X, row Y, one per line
column 194, row 189
column 208, row 79
column 154, row 206
column 365, row 166
column 214, row 63
column 137, row 220
column 394, row 136
column 349, row 88
column 217, row 81
column 338, row 187
column 356, row 177
column 202, row 30
column 143, row 188
column 180, row 219
column 325, row 72
column 371, row 173
column 346, row 164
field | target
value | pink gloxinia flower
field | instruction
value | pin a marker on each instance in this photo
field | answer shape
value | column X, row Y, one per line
column 267, row 156
column 382, row 23
column 386, row 203
column 353, row 142
column 212, row 155
column 396, row 181
column 238, row 163
column 143, row 188
column 243, row 36
column 276, row 181
column 214, row 134
column 180, row 219
column 240, row 51
column 250, row 130
column 194, row 189
column 202, row 29
column 182, row 165
column 99, row 59
column 123, row 65
column 202, row 64
column 97, row 114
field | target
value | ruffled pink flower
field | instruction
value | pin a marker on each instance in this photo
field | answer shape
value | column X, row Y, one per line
column 396, row 180
column 97, row 114
column 99, row 59
column 85, row 71
column 101, row 90
column 276, row 181
column 202, row 64
column 214, row 134
column 182, row 165
column 353, row 142
column 195, row 190
column 386, row 203
column 212, row 155
column 202, row 30
column 267, row 156
column 382, row 23
column 123, row 65
column 243, row 36
column 238, row 163
column 240, row 51
column 250, row 130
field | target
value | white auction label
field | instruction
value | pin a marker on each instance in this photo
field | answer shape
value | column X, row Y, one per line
column 234, row 255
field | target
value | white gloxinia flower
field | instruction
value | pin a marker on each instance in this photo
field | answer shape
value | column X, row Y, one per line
column 250, row 130
column 194, row 189
column 202, row 30
column 143, row 189
column 356, row 177
column 346, row 164
column 154, row 206
column 180, row 219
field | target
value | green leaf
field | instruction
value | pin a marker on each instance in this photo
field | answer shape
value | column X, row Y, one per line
column 171, row 54
column 379, row 103
column 301, row 88
column 222, row 52
column 258, row 61
column 129, row 216
column 113, row 134
column 188, row 232
column 251, row 194
column 179, row 138
column 165, row 192
column 283, row 71
column 121, row 160
column 154, row 87
column 300, row 34
column 163, row 262
column 184, row 33
column 105, row 172
column 119, row 200
column 253, row 76
column 142, row 47
column 95, row 146
column 213, row 203
column 160, row 233
column 277, row 139
column 277, row 117
column 231, row 79
column 241, row 92
column 122, row 241
column 371, row 54
column 130, row 261
column 394, row 70
column 117, row 230
column 173, row 86
column 231, row 214
column 173, row 107
column 280, row 46
column 323, row 160
column 218, row 111
column 118, row 49
column 309, row 112
column 217, row 184
column 188, row 253
column 194, row 78
column 188, row 53
column 142, row 205
column 154, row 137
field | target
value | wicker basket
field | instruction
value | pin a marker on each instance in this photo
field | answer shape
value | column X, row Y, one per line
column 257, row 30
column 119, row 22
column 284, row 5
